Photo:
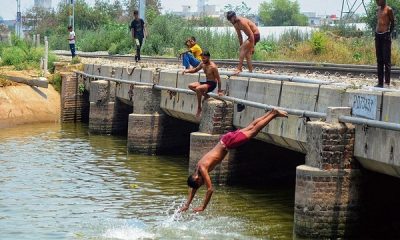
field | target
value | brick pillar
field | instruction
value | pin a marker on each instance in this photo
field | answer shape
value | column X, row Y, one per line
column 102, row 107
column 327, row 188
column 217, row 118
column 150, row 131
column 74, row 99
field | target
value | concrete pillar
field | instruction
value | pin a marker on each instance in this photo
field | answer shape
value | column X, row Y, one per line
column 102, row 107
column 150, row 131
column 217, row 118
column 327, row 188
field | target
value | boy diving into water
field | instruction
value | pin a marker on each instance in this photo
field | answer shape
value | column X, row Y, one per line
column 228, row 141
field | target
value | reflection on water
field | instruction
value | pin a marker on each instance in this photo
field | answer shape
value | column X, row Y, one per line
column 58, row 182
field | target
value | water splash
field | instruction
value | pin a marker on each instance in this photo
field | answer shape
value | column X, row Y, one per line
column 129, row 230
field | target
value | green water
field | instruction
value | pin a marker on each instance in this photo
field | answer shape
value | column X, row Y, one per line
column 59, row 182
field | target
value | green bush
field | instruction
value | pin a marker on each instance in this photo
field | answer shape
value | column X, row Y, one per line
column 56, row 81
column 319, row 41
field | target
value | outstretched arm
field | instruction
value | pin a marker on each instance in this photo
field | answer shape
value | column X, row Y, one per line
column 210, row 190
column 192, row 192
column 193, row 70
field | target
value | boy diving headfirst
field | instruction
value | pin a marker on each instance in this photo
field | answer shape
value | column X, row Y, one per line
column 228, row 141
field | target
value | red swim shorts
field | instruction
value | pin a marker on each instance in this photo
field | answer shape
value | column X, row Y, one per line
column 234, row 139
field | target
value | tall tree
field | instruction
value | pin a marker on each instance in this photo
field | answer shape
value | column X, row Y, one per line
column 282, row 13
column 241, row 10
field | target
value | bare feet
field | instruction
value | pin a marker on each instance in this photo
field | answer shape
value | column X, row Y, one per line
column 237, row 72
column 198, row 114
column 280, row 113
column 269, row 71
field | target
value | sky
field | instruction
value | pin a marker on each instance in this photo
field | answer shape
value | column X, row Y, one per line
column 8, row 8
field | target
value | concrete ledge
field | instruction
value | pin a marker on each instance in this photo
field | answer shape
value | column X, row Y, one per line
column 39, row 82
column 299, row 96
column 378, row 150
column 349, row 99
column 88, row 68
column 131, row 73
column 146, row 75
column 107, row 71
column 330, row 96
column 391, row 107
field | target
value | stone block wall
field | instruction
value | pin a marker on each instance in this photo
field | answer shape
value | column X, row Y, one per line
column 327, row 203
column 327, row 198
column 74, row 103
column 330, row 146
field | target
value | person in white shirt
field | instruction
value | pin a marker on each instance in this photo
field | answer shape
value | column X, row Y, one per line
column 71, row 40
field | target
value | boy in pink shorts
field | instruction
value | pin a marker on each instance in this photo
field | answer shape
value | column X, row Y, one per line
column 228, row 141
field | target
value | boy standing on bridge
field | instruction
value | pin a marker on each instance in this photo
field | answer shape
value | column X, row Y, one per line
column 228, row 141
column 383, row 41
column 212, row 79
column 189, row 60
column 138, row 31
column 246, row 47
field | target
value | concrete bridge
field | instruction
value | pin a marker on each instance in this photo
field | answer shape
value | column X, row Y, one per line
column 328, row 185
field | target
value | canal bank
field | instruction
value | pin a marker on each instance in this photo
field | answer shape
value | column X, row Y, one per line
column 22, row 104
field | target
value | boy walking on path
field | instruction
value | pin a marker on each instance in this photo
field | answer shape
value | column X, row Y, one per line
column 138, row 31
column 383, row 41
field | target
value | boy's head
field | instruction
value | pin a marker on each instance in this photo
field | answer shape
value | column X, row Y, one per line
column 231, row 16
column 70, row 28
column 381, row 2
column 136, row 13
column 195, row 181
column 205, row 56
column 191, row 41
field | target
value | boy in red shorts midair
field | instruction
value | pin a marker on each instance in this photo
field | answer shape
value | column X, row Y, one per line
column 212, row 158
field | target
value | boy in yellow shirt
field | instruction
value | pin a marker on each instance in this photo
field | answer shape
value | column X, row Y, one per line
column 191, row 60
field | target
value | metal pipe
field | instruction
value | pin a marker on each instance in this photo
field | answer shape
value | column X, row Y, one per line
column 371, row 123
column 114, row 79
column 276, row 77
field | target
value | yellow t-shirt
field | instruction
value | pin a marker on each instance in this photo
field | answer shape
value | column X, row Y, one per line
column 196, row 50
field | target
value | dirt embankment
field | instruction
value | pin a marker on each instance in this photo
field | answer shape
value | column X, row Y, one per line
column 21, row 104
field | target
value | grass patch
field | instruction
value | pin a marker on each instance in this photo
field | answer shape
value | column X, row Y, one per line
column 56, row 81
column 23, row 56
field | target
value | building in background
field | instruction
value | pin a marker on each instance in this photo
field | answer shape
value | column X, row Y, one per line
column 42, row 4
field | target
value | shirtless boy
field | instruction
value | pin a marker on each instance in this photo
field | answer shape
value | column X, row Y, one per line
column 246, row 47
column 228, row 141
column 212, row 79
column 383, row 41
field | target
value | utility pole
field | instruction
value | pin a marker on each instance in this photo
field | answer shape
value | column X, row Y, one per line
column 142, row 10
column 18, row 23
column 72, row 14
column 349, row 8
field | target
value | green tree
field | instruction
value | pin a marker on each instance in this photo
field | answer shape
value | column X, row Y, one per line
column 281, row 13
column 241, row 10
column 372, row 8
